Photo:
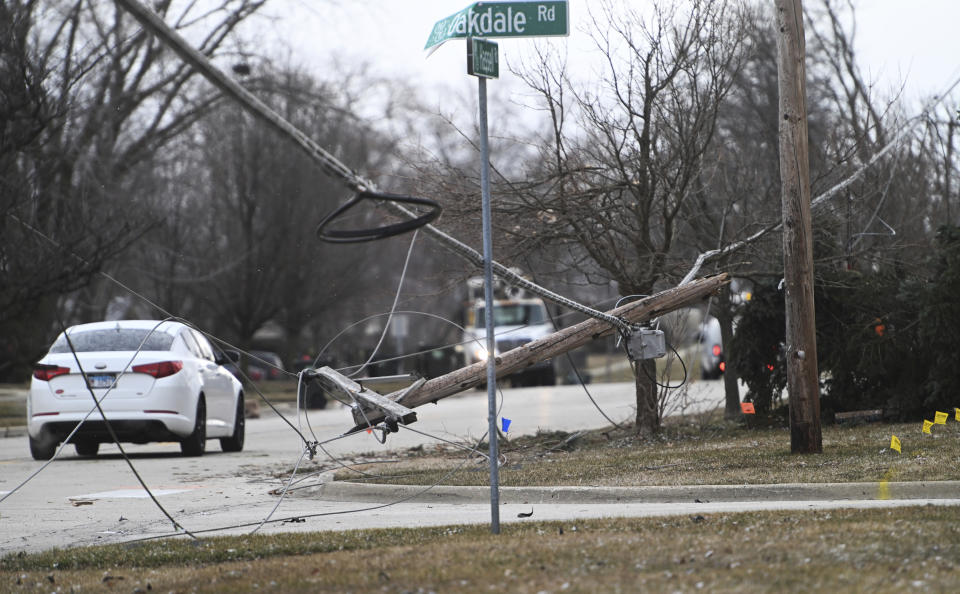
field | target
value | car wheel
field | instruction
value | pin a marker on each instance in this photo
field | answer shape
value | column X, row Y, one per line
column 234, row 443
column 42, row 448
column 195, row 443
column 87, row 448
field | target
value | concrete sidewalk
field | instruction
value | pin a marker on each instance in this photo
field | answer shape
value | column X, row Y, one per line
column 378, row 493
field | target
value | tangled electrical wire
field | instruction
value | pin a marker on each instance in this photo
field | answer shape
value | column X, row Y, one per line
column 309, row 449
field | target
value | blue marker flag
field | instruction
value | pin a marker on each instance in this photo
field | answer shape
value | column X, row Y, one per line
column 506, row 424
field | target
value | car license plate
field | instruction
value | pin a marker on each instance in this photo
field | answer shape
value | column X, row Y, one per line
column 103, row 380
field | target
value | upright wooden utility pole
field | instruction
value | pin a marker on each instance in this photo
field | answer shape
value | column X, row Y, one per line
column 801, row 348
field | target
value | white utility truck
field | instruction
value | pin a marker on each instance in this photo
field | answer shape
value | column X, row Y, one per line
column 517, row 320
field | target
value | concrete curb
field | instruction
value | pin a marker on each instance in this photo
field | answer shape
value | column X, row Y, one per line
column 13, row 431
column 374, row 493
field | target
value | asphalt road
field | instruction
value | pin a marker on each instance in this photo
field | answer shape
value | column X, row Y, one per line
column 76, row 501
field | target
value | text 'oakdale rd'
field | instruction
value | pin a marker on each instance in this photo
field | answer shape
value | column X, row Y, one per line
column 503, row 19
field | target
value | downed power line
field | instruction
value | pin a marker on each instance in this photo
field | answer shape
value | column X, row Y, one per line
column 330, row 164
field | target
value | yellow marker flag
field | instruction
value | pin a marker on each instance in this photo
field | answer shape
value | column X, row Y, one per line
column 957, row 414
column 940, row 418
column 926, row 426
column 895, row 444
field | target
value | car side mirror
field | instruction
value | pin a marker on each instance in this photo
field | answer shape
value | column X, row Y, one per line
column 228, row 356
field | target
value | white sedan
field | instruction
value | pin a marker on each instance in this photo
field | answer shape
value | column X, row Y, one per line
column 155, row 381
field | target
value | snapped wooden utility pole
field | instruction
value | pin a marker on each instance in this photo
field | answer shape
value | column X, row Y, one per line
column 801, row 341
column 549, row 346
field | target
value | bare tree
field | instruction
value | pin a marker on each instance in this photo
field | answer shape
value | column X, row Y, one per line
column 738, row 189
column 943, row 127
column 107, row 99
column 239, row 243
column 622, row 161
column 873, row 227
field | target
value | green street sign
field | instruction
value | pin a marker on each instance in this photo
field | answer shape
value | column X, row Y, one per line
column 483, row 58
column 521, row 18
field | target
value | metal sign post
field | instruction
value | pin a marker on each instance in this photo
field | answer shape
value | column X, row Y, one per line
column 474, row 59
column 519, row 18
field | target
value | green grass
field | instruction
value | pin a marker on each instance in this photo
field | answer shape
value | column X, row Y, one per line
column 881, row 550
column 12, row 411
column 907, row 549
column 698, row 450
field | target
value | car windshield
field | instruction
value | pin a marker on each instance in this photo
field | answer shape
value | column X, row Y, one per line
column 513, row 315
column 114, row 339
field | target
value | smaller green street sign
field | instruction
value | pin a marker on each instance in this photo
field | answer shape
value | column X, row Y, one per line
column 483, row 58
column 520, row 18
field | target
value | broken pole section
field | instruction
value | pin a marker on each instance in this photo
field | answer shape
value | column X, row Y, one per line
column 365, row 400
column 556, row 344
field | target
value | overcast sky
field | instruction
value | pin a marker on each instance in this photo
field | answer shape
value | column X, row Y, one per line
column 897, row 40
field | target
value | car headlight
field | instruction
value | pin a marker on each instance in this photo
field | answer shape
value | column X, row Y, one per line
column 480, row 353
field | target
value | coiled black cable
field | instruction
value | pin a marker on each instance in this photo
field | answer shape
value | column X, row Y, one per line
column 375, row 233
